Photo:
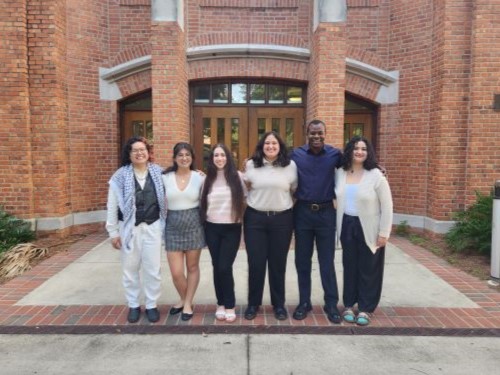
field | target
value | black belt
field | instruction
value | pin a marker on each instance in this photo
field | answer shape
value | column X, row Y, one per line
column 317, row 206
column 269, row 213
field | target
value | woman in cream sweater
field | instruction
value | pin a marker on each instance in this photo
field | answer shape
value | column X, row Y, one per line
column 364, row 221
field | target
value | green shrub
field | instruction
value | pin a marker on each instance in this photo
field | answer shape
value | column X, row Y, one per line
column 403, row 229
column 472, row 230
column 13, row 231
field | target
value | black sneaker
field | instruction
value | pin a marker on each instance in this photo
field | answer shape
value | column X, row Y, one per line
column 153, row 314
column 134, row 313
column 333, row 314
column 301, row 311
column 251, row 312
column 280, row 313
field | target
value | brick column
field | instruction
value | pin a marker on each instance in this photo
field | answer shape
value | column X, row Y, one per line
column 326, row 90
column 16, row 187
column 170, row 88
column 48, row 103
column 483, row 155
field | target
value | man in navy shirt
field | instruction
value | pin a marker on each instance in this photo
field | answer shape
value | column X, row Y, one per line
column 314, row 219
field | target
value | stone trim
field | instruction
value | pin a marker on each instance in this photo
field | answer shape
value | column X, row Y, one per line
column 249, row 3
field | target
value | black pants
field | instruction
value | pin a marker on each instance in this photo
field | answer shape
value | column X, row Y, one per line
column 363, row 270
column 310, row 227
column 267, row 239
column 223, row 241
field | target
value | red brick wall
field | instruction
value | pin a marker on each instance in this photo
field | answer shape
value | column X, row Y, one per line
column 406, row 141
column 248, row 67
column 283, row 22
column 16, row 186
column 170, row 89
column 129, row 25
column 449, row 113
column 327, row 80
column 48, row 106
column 92, row 133
column 483, row 151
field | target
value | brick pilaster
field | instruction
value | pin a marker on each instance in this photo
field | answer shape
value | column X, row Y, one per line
column 326, row 90
column 170, row 89
column 16, row 187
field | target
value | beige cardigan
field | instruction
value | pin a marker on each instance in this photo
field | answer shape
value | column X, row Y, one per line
column 374, row 203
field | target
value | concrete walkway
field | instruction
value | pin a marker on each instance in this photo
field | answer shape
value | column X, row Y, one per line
column 81, row 290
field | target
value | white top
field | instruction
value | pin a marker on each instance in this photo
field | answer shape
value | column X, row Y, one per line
column 219, row 200
column 270, row 187
column 374, row 204
column 351, row 208
column 183, row 199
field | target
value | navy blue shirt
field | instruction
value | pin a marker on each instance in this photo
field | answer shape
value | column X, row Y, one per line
column 316, row 173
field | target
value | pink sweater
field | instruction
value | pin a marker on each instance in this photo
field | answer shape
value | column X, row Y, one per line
column 219, row 200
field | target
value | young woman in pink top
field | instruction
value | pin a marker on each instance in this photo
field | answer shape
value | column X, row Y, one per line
column 221, row 209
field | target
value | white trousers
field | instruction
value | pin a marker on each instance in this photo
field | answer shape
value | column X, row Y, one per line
column 145, row 256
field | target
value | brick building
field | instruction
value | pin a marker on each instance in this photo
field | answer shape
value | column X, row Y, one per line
column 418, row 77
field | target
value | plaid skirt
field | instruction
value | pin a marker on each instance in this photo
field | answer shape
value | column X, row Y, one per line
column 184, row 231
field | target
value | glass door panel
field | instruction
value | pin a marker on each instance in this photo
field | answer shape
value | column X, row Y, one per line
column 357, row 124
column 137, row 123
column 287, row 122
column 220, row 125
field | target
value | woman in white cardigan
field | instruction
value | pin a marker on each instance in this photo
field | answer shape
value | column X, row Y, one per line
column 364, row 222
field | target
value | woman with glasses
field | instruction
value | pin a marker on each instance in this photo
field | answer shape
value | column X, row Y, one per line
column 135, row 221
column 184, row 235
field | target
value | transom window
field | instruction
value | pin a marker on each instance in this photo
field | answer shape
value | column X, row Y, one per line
column 242, row 93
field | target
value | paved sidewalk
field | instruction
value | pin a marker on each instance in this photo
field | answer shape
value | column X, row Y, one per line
column 80, row 291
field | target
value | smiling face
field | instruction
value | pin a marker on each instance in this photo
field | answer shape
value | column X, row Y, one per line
column 220, row 158
column 139, row 154
column 316, row 136
column 359, row 153
column 271, row 148
column 184, row 159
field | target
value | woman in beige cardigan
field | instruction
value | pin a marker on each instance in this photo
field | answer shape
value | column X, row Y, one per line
column 364, row 221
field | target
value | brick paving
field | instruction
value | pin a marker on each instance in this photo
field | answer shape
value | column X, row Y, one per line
column 483, row 320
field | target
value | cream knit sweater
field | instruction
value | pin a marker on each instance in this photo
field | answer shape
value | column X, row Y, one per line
column 374, row 204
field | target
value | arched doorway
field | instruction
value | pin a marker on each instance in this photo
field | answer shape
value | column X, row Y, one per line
column 137, row 117
column 360, row 117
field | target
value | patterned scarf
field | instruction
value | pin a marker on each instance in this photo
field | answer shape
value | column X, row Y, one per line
column 123, row 185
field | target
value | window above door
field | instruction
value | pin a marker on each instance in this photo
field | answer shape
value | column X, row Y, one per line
column 247, row 93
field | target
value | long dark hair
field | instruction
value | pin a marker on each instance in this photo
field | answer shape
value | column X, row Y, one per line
column 258, row 156
column 233, row 181
column 178, row 148
column 127, row 148
column 371, row 159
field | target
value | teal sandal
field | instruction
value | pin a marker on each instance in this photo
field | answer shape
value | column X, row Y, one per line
column 363, row 319
column 348, row 315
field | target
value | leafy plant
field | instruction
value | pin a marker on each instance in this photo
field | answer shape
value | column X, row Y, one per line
column 472, row 230
column 403, row 229
column 13, row 231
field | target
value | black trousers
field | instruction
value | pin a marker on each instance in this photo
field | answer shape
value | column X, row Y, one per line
column 363, row 270
column 267, row 239
column 223, row 241
column 315, row 227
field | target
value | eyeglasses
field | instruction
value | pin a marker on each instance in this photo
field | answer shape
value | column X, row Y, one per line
column 180, row 156
column 138, row 151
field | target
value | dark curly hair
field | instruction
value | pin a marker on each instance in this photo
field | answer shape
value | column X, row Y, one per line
column 127, row 148
column 178, row 148
column 371, row 159
column 233, row 181
column 258, row 156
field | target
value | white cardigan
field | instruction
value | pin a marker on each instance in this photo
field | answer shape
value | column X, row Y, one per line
column 374, row 204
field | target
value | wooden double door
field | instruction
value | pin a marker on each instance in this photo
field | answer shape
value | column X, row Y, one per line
column 240, row 128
